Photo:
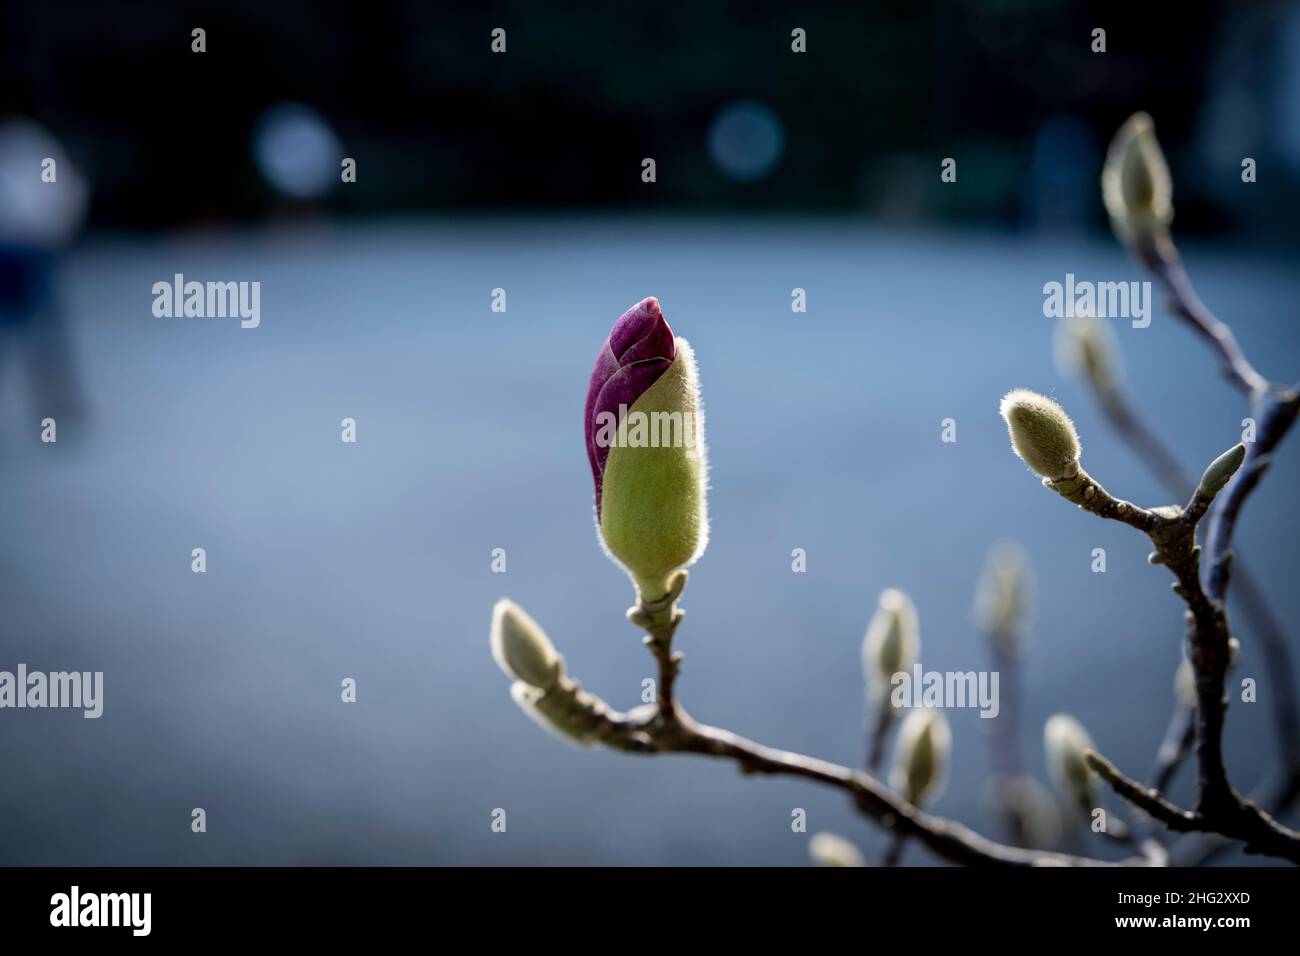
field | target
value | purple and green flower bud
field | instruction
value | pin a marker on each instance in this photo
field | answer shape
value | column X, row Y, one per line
column 645, row 442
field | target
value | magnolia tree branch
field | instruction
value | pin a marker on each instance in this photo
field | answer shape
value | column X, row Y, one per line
column 1172, row 532
column 1274, row 408
column 664, row 727
column 1160, row 461
column 1258, row 831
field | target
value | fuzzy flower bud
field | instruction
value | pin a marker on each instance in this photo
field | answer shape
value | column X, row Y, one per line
column 921, row 755
column 521, row 647
column 1135, row 182
column 1221, row 471
column 645, row 443
column 1085, row 348
column 557, row 712
column 1041, row 434
column 1065, row 742
column 829, row 849
column 892, row 642
column 1002, row 600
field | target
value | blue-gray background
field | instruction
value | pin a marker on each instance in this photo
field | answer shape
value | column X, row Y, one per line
column 372, row 560
column 522, row 170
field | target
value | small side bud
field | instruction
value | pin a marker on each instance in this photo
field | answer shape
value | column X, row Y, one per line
column 921, row 755
column 1041, row 434
column 1066, row 742
column 1086, row 349
column 892, row 642
column 521, row 647
column 829, row 849
column 1135, row 182
column 1221, row 471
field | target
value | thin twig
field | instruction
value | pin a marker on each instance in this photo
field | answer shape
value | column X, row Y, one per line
column 1161, row 462
column 1258, row 831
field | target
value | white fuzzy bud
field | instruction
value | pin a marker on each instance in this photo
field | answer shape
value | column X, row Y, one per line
column 892, row 642
column 1135, row 182
column 921, row 755
column 1065, row 742
column 828, row 849
column 521, row 647
column 1041, row 434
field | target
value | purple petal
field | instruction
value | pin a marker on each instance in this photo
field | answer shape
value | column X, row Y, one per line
column 639, row 349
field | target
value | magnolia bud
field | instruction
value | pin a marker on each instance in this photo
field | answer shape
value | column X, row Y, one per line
column 828, row 849
column 1085, row 348
column 555, row 711
column 1041, row 434
column 1065, row 742
column 1221, row 471
column 1002, row 600
column 892, row 642
column 921, row 755
column 645, row 443
column 1135, row 182
column 521, row 647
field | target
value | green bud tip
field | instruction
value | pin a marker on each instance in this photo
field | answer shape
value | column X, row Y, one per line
column 521, row 647
column 829, row 849
column 1135, row 182
column 1221, row 471
column 892, row 642
column 1041, row 434
column 1065, row 742
column 921, row 755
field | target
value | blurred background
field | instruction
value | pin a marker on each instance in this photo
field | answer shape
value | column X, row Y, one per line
column 523, row 171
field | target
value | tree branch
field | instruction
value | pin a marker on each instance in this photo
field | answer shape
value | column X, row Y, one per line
column 1243, row 821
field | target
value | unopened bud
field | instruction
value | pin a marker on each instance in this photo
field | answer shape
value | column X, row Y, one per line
column 1041, row 434
column 921, row 755
column 1135, row 182
column 555, row 711
column 1221, row 471
column 521, row 647
column 828, row 849
column 892, row 642
column 1065, row 742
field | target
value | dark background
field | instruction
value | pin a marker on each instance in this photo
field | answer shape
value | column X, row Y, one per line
column 586, row 90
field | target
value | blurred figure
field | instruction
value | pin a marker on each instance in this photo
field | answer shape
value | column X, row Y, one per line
column 42, row 205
